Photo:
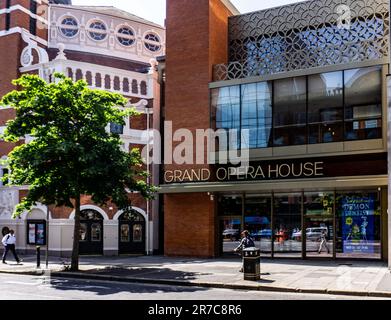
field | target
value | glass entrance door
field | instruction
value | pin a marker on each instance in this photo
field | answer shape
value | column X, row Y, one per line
column 91, row 233
column 131, row 233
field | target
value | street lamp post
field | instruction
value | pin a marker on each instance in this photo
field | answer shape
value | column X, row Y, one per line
column 147, row 110
column 47, row 237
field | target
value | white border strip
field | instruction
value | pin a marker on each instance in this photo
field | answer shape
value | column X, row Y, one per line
column 23, row 9
column 19, row 30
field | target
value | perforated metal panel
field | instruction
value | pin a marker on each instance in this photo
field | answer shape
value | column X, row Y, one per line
column 306, row 35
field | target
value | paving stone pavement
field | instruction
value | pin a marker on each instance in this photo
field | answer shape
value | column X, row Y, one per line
column 353, row 277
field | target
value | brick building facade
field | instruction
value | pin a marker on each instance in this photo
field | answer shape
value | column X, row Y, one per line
column 113, row 50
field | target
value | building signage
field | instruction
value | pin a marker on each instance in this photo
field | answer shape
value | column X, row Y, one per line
column 271, row 171
column 340, row 166
column 358, row 224
column 252, row 172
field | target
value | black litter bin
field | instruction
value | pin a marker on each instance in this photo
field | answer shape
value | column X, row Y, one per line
column 252, row 264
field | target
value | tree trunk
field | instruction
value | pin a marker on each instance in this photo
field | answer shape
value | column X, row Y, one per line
column 76, row 235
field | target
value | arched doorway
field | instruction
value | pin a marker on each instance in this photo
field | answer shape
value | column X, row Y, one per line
column 131, row 233
column 91, row 233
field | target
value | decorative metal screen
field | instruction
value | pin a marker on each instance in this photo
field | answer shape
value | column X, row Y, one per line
column 306, row 35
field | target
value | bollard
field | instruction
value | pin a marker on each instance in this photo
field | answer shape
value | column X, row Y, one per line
column 38, row 256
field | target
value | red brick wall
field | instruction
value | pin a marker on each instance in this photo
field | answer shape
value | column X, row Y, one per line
column 12, row 45
column 189, row 225
column 197, row 38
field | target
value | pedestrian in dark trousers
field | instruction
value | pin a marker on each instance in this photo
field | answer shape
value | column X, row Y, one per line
column 9, row 241
column 246, row 242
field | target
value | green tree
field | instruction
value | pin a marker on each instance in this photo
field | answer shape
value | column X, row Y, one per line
column 71, row 153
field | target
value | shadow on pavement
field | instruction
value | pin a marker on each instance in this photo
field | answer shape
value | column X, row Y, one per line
column 148, row 273
column 101, row 287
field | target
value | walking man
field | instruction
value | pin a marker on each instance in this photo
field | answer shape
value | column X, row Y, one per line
column 9, row 241
column 323, row 242
column 246, row 242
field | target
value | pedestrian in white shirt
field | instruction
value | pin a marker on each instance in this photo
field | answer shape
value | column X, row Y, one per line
column 9, row 241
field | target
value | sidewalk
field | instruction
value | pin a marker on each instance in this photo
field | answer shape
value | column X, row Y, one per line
column 347, row 278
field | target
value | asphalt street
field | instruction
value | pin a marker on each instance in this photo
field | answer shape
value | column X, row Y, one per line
column 22, row 287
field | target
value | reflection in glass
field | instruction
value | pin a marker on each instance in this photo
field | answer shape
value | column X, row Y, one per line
column 96, row 232
column 226, row 105
column 363, row 104
column 287, row 225
column 125, row 235
column 257, row 114
column 137, row 233
column 318, row 204
column 230, row 205
column 325, row 107
column 257, row 220
column 83, row 232
column 230, row 233
column 289, row 111
column 319, row 236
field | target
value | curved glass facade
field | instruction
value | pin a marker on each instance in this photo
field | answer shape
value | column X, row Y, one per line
column 320, row 108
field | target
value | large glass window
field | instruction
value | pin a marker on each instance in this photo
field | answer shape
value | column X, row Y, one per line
column 319, row 223
column 363, row 107
column 257, row 220
column 325, row 107
column 287, row 225
column 321, row 108
column 226, row 102
column 289, row 111
column 231, row 207
column 257, row 114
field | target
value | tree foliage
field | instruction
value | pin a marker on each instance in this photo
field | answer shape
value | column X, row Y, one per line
column 71, row 153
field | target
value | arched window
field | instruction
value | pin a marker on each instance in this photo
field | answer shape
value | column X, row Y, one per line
column 132, row 216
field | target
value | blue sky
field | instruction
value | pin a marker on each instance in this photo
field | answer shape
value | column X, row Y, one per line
column 154, row 10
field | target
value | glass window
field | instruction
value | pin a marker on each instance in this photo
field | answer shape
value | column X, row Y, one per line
column 69, row 27
column 83, row 232
column 137, row 233
column 325, row 107
column 230, row 205
column 116, row 128
column 319, row 223
column 256, row 114
column 363, row 104
column 257, row 220
column 226, row 105
column 126, row 36
column 358, row 225
column 125, row 236
column 287, row 225
column 90, row 215
column 289, row 112
column 96, row 232
column 152, row 42
column 98, row 31
column 230, row 234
